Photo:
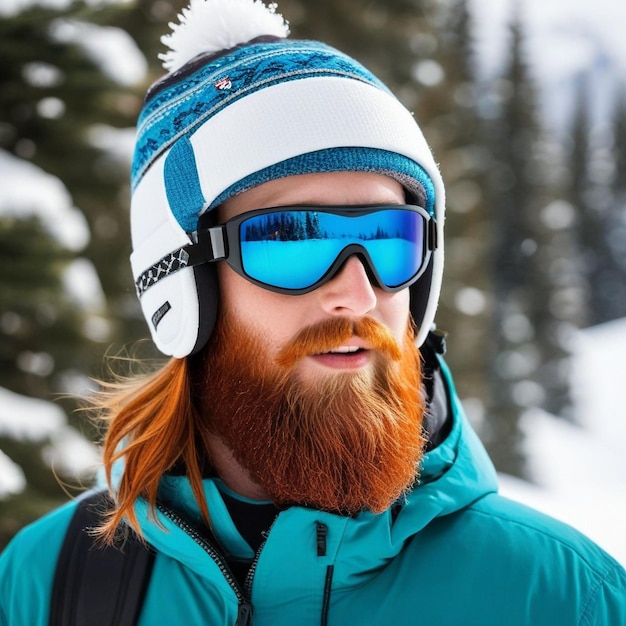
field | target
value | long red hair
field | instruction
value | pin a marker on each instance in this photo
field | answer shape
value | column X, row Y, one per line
column 151, row 427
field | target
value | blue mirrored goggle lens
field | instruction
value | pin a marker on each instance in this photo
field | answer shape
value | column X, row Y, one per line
column 295, row 249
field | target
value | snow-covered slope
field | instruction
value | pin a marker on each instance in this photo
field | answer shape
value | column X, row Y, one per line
column 580, row 470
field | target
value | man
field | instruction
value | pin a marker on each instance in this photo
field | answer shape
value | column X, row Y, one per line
column 303, row 458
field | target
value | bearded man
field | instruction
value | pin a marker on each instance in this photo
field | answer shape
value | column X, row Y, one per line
column 302, row 458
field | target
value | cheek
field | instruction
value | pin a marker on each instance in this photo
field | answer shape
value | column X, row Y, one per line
column 238, row 297
column 395, row 312
column 273, row 316
column 227, row 281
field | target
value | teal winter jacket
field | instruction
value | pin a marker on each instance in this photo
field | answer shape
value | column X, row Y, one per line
column 454, row 553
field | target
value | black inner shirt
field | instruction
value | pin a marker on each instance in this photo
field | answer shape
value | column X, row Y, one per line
column 252, row 520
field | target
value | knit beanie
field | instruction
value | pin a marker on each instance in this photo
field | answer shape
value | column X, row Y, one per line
column 242, row 105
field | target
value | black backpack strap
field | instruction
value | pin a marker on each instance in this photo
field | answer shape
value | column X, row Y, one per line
column 438, row 418
column 95, row 584
column 434, row 344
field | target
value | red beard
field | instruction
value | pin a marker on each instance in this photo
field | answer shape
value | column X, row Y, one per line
column 345, row 442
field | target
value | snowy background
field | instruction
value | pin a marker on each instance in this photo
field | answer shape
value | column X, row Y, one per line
column 579, row 470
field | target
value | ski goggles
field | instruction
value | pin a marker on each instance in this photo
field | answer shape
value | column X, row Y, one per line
column 296, row 249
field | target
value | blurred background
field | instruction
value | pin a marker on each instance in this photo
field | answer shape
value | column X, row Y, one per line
column 524, row 105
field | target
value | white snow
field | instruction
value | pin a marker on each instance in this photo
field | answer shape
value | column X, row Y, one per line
column 112, row 48
column 118, row 142
column 69, row 453
column 12, row 479
column 28, row 419
column 82, row 284
column 564, row 36
column 579, row 470
column 29, row 190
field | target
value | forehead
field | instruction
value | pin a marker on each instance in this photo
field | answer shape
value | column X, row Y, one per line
column 327, row 188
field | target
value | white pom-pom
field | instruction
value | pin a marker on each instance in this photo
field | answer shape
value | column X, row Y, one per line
column 214, row 25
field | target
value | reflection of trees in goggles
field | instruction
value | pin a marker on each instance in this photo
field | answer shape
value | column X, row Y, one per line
column 305, row 225
column 295, row 250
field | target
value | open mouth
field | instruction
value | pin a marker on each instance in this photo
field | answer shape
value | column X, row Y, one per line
column 343, row 350
column 344, row 357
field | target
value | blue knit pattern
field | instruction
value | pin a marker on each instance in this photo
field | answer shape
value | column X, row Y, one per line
column 181, row 108
column 350, row 159
column 182, row 185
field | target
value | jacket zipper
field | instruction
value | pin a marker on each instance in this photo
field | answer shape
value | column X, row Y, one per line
column 321, row 533
column 250, row 575
column 328, row 583
column 244, row 610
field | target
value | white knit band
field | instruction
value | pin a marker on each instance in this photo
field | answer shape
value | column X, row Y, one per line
column 298, row 117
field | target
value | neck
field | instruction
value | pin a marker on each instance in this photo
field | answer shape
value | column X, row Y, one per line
column 233, row 475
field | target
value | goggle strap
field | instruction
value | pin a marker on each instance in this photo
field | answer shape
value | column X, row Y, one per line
column 433, row 241
column 211, row 246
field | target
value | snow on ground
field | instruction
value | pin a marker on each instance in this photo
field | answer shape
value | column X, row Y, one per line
column 579, row 470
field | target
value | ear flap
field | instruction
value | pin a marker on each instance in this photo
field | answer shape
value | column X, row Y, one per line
column 207, row 291
column 180, row 308
column 170, row 306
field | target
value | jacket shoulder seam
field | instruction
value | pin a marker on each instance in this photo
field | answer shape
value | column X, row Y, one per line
column 609, row 564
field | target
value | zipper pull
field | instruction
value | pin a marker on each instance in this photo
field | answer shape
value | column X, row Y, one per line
column 321, row 533
column 244, row 614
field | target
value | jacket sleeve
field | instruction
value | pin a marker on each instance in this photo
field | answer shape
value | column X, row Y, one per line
column 608, row 606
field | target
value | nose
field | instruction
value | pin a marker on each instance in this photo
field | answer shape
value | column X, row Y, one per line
column 349, row 292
